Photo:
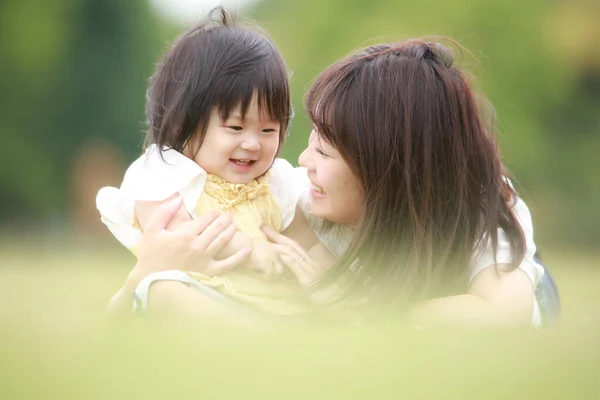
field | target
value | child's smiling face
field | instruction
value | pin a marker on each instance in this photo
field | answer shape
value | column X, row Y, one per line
column 239, row 149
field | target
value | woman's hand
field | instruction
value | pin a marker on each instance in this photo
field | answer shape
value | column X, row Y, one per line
column 305, row 268
column 191, row 247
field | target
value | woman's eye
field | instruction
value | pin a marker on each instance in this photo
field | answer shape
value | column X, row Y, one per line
column 235, row 128
column 321, row 152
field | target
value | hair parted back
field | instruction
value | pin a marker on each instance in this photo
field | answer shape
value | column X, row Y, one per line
column 215, row 64
column 409, row 125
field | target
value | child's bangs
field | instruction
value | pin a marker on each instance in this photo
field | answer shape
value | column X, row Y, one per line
column 268, row 81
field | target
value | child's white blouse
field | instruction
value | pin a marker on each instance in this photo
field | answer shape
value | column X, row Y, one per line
column 152, row 178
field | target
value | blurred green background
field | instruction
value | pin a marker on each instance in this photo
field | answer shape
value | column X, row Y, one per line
column 73, row 75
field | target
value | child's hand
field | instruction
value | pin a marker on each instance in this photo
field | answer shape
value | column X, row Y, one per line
column 265, row 258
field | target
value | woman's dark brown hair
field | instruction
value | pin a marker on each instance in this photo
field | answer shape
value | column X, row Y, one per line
column 216, row 64
column 408, row 124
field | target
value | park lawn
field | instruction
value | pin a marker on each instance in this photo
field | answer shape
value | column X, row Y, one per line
column 56, row 342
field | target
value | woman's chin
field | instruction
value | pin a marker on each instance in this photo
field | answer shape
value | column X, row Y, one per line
column 317, row 210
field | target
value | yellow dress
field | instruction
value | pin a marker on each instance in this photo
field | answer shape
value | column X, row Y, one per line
column 252, row 205
column 268, row 200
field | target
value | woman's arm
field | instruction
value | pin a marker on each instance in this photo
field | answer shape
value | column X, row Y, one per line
column 493, row 298
column 192, row 246
column 496, row 295
column 120, row 304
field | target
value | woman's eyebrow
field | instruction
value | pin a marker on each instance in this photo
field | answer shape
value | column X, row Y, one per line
column 319, row 140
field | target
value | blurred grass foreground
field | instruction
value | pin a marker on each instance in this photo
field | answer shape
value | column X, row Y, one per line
column 56, row 342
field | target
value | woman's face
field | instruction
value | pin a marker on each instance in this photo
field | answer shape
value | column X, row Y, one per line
column 336, row 194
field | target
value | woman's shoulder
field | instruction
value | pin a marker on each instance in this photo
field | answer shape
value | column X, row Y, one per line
column 484, row 254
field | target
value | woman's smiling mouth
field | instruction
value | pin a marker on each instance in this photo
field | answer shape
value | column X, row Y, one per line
column 316, row 191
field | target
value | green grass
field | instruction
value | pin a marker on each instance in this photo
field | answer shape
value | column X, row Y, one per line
column 57, row 343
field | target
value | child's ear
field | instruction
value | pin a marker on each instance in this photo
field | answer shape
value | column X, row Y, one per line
column 187, row 151
column 191, row 147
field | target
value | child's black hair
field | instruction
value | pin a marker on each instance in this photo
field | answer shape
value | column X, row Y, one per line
column 216, row 63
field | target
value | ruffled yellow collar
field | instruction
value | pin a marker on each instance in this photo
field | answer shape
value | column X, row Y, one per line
column 231, row 194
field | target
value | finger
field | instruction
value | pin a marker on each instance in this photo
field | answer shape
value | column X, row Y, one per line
column 282, row 249
column 212, row 231
column 274, row 236
column 221, row 240
column 268, row 274
column 297, row 268
column 275, row 271
column 292, row 253
column 231, row 262
column 279, row 239
column 163, row 216
column 197, row 226
column 278, row 269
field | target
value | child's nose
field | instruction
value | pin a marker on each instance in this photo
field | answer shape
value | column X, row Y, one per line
column 251, row 144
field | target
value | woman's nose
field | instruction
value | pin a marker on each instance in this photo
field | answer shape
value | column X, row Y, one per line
column 304, row 159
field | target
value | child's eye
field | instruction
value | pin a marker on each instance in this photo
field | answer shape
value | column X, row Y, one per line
column 269, row 130
column 235, row 128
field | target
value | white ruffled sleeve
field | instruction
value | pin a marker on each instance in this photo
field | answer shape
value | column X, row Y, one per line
column 150, row 178
column 117, row 213
column 286, row 186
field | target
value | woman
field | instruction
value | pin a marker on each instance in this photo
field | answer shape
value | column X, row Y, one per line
column 408, row 190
